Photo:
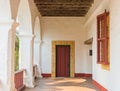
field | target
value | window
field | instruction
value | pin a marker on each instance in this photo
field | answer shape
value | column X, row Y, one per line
column 103, row 38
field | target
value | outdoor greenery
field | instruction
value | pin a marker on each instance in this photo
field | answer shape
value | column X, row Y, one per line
column 16, row 53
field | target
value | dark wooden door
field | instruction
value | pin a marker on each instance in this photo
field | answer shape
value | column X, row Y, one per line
column 62, row 61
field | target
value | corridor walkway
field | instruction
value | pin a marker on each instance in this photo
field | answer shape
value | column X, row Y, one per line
column 64, row 84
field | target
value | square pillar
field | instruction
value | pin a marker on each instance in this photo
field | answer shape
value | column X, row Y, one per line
column 26, row 58
column 37, row 55
column 7, row 45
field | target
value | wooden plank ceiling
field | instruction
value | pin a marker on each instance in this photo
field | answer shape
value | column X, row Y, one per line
column 63, row 7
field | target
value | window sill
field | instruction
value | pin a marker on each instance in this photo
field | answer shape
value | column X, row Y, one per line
column 104, row 63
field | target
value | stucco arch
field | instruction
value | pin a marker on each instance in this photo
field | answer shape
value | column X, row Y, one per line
column 24, row 18
column 37, row 29
column 14, row 8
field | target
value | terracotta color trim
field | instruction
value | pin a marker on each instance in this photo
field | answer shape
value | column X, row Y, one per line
column 99, row 86
column 46, row 75
column 18, row 79
column 83, row 75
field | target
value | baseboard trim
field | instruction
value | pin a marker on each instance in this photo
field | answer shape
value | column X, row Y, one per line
column 99, row 86
column 85, row 75
column 46, row 75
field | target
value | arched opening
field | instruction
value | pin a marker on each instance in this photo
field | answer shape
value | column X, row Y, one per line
column 25, row 28
column 16, row 53
column 24, row 18
column 7, row 28
column 24, row 33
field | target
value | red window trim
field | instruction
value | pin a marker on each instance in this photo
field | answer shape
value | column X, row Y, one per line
column 102, row 38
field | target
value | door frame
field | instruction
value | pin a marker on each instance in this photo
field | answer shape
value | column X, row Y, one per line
column 72, row 56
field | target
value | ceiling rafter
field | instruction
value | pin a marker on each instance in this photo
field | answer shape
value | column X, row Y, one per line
column 86, row 9
column 63, row 1
column 63, row 7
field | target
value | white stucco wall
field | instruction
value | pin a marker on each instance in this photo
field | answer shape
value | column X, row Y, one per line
column 115, row 45
column 88, row 64
column 5, row 11
column 108, row 79
column 61, row 28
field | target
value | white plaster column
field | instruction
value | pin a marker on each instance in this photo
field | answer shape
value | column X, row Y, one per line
column 26, row 58
column 37, row 55
column 7, row 45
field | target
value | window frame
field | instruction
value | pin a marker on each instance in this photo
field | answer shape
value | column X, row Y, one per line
column 103, row 38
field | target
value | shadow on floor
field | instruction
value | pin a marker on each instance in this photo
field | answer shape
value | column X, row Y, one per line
column 64, row 84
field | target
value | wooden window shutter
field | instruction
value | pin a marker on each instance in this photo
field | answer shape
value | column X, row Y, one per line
column 102, row 38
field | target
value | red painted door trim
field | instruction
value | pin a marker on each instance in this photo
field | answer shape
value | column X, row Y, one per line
column 62, row 61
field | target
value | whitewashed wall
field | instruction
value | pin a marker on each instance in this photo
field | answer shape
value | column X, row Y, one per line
column 88, row 64
column 115, row 45
column 5, row 12
column 108, row 79
column 61, row 28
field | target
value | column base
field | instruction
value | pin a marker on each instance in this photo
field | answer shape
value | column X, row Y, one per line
column 39, row 76
column 29, row 83
column 30, row 86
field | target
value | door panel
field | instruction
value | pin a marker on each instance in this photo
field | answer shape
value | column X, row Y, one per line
column 62, row 61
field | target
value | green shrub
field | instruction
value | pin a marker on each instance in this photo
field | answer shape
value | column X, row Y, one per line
column 16, row 53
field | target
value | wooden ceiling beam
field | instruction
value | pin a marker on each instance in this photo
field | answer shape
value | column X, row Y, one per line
column 63, row 8
column 64, row 11
column 58, row 13
column 63, row 0
column 64, row 15
column 63, row 3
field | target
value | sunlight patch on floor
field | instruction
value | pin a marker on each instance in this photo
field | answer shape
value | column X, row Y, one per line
column 67, row 80
column 74, row 88
column 64, row 84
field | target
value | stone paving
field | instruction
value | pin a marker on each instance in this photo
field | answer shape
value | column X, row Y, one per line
column 64, row 84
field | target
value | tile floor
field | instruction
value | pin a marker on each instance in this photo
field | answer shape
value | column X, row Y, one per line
column 64, row 84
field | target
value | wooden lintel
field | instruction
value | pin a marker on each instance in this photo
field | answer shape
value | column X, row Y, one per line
column 89, row 41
